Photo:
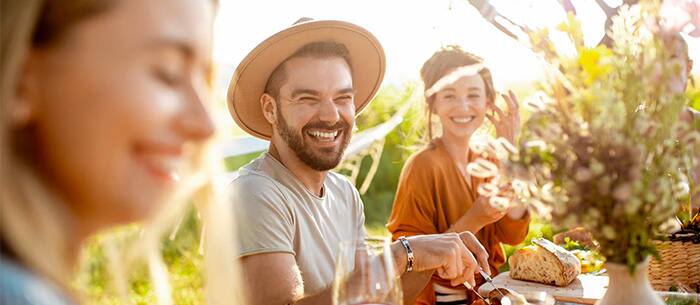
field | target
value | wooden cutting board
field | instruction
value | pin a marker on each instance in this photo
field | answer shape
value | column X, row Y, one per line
column 586, row 289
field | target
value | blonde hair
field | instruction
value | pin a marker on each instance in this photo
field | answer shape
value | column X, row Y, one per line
column 34, row 224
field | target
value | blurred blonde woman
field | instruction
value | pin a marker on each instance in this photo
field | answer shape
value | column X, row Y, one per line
column 104, row 122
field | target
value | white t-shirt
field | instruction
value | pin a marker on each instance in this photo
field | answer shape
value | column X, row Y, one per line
column 275, row 212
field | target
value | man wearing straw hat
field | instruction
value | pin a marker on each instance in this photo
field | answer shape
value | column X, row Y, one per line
column 301, row 89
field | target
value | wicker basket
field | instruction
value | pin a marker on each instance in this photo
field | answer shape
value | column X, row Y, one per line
column 680, row 264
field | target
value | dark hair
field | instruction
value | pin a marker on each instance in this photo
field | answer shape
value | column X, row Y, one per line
column 57, row 17
column 444, row 61
column 318, row 49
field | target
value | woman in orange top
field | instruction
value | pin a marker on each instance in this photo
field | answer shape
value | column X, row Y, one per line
column 435, row 192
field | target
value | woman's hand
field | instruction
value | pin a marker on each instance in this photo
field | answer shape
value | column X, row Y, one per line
column 484, row 213
column 507, row 122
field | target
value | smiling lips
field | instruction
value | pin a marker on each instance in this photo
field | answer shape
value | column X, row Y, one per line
column 324, row 136
column 463, row 119
column 161, row 161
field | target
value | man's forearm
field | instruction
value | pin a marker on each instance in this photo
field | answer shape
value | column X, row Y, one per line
column 412, row 283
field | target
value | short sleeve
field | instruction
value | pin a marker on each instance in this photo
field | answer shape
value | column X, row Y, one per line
column 264, row 223
column 359, row 216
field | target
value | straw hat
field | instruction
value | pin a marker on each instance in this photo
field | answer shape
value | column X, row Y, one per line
column 248, row 82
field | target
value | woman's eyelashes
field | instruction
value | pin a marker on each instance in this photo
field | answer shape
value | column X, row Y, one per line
column 170, row 67
column 168, row 77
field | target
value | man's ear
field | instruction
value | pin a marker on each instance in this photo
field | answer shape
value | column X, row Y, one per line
column 269, row 108
column 23, row 97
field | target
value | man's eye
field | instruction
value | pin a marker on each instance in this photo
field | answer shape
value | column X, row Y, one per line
column 474, row 96
column 344, row 99
column 307, row 99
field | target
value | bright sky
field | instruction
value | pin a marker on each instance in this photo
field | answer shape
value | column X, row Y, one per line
column 409, row 30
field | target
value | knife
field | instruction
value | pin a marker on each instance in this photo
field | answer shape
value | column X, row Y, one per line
column 469, row 286
column 489, row 280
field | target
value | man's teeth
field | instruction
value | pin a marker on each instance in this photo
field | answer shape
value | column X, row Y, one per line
column 463, row 120
column 324, row 136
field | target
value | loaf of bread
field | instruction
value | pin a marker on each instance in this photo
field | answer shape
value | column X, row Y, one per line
column 544, row 262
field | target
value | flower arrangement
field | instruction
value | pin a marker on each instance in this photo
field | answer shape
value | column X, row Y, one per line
column 603, row 148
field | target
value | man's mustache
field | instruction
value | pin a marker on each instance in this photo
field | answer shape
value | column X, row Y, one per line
column 340, row 125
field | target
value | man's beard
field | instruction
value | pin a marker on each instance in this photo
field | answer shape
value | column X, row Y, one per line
column 322, row 160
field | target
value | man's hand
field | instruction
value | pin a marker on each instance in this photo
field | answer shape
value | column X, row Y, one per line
column 456, row 257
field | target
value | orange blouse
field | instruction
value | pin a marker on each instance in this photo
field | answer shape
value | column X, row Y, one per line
column 432, row 195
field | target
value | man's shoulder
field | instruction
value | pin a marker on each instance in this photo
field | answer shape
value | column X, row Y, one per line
column 255, row 184
column 256, row 188
column 254, row 176
column 255, row 179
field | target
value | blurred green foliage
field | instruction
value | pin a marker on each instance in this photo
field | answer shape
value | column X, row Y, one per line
column 398, row 146
column 180, row 254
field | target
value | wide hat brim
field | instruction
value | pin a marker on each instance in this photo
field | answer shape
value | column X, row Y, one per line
column 250, row 78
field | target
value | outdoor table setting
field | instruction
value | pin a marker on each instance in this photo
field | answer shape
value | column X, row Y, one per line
column 586, row 289
column 558, row 285
column 591, row 285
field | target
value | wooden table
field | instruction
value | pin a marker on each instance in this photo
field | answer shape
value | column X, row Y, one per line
column 586, row 289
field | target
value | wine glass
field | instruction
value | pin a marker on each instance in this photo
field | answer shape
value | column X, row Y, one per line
column 365, row 274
